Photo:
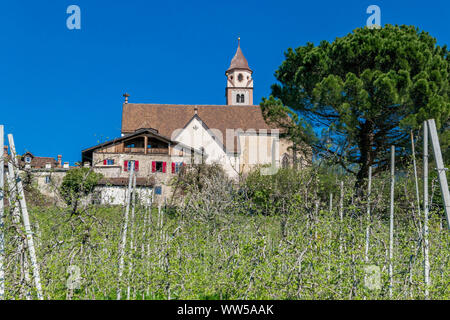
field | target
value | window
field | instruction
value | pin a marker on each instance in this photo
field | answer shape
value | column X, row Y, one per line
column 127, row 165
column 28, row 159
column 130, row 145
column 108, row 162
column 176, row 167
column 238, row 98
column 159, row 166
column 48, row 179
column 240, row 77
column 158, row 190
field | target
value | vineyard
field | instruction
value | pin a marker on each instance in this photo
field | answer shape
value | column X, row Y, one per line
column 294, row 235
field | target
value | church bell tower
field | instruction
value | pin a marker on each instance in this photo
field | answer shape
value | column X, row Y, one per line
column 239, row 90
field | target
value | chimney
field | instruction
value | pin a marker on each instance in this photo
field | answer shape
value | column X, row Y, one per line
column 195, row 109
column 66, row 165
column 126, row 95
column 59, row 161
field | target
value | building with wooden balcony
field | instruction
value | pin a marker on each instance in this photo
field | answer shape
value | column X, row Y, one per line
column 156, row 160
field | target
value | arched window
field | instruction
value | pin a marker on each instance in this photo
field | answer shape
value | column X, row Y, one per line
column 240, row 98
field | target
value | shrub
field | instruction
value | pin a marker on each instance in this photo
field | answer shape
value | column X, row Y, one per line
column 78, row 183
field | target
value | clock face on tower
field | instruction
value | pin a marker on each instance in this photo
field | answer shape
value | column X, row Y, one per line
column 240, row 77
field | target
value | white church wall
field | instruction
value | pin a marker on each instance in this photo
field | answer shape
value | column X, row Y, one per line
column 258, row 149
column 197, row 136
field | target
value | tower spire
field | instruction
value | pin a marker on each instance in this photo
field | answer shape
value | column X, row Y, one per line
column 239, row 90
column 239, row 61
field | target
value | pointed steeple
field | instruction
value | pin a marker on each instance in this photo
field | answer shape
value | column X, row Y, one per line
column 239, row 90
column 239, row 61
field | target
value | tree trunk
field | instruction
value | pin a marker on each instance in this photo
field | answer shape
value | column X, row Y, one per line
column 366, row 143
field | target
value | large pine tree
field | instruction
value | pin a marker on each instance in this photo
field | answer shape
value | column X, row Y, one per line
column 366, row 91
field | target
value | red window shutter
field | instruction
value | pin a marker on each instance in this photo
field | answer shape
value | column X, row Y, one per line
column 136, row 165
column 104, row 162
column 153, row 166
column 125, row 165
column 173, row 167
column 164, row 167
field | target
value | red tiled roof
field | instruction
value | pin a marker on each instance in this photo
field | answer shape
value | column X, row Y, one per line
column 167, row 118
column 40, row 162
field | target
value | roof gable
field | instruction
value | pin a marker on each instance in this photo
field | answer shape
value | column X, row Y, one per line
column 210, row 131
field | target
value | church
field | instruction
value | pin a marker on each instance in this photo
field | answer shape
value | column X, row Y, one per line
column 161, row 138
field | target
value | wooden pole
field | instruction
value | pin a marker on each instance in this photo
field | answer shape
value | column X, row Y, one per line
column 391, row 223
column 123, row 242
column 440, row 168
column 369, row 187
column 2, row 193
column 145, row 144
column 426, row 262
column 26, row 219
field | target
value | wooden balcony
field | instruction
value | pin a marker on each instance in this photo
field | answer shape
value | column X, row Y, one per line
column 149, row 150
column 134, row 150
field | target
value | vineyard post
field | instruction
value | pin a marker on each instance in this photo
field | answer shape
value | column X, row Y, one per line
column 12, row 200
column 150, row 226
column 160, row 223
column 369, row 187
column 144, row 237
column 415, row 177
column 132, row 226
column 124, row 232
column 440, row 168
column 12, row 194
column 426, row 262
column 26, row 219
column 391, row 222
column 2, row 239
column 341, row 218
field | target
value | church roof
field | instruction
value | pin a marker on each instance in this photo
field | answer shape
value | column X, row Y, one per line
column 239, row 61
column 167, row 118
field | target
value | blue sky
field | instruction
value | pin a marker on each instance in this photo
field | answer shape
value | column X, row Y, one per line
column 61, row 90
